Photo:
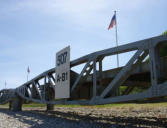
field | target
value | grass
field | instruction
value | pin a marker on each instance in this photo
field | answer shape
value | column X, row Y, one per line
column 34, row 105
column 131, row 105
column 116, row 105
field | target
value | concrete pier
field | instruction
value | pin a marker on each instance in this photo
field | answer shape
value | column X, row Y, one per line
column 15, row 104
column 49, row 107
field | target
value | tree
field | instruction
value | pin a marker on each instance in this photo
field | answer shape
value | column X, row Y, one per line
column 164, row 33
column 163, row 50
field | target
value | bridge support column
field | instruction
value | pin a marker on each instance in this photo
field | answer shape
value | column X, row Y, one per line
column 15, row 104
column 49, row 107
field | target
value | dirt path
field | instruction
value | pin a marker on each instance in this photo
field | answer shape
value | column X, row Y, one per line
column 84, row 117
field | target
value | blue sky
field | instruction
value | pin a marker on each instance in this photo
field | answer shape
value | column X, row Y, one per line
column 32, row 31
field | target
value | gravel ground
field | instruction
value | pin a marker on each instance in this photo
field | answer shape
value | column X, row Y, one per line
column 85, row 117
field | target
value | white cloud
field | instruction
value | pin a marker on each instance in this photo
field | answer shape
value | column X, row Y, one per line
column 68, row 7
column 85, row 13
column 82, row 12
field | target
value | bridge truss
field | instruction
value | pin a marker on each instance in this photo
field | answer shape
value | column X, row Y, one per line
column 146, row 69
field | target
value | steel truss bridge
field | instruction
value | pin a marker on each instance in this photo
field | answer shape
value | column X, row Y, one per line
column 93, row 85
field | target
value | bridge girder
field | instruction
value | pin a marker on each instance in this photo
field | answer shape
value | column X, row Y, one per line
column 95, row 86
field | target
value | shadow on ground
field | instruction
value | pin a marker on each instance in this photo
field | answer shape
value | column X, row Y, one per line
column 71, row 119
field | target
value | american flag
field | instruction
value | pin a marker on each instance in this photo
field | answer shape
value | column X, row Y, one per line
column 113, row 22
column 28, row 70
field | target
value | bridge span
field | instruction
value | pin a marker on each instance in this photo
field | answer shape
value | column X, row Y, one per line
column 146, row 71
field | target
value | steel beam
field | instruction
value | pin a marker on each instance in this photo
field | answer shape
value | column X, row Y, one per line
column 94, row 78
column 79, row 77
column 155, row 69
column 123, row 74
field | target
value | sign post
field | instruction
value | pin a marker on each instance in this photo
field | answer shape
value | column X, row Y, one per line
column 62, row 88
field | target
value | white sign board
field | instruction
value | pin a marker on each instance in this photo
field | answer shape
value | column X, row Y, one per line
column 62, row 88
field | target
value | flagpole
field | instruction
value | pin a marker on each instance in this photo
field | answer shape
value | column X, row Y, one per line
column 5, row 84
column 27, row 76
column 116, row 38
column 28, row 71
